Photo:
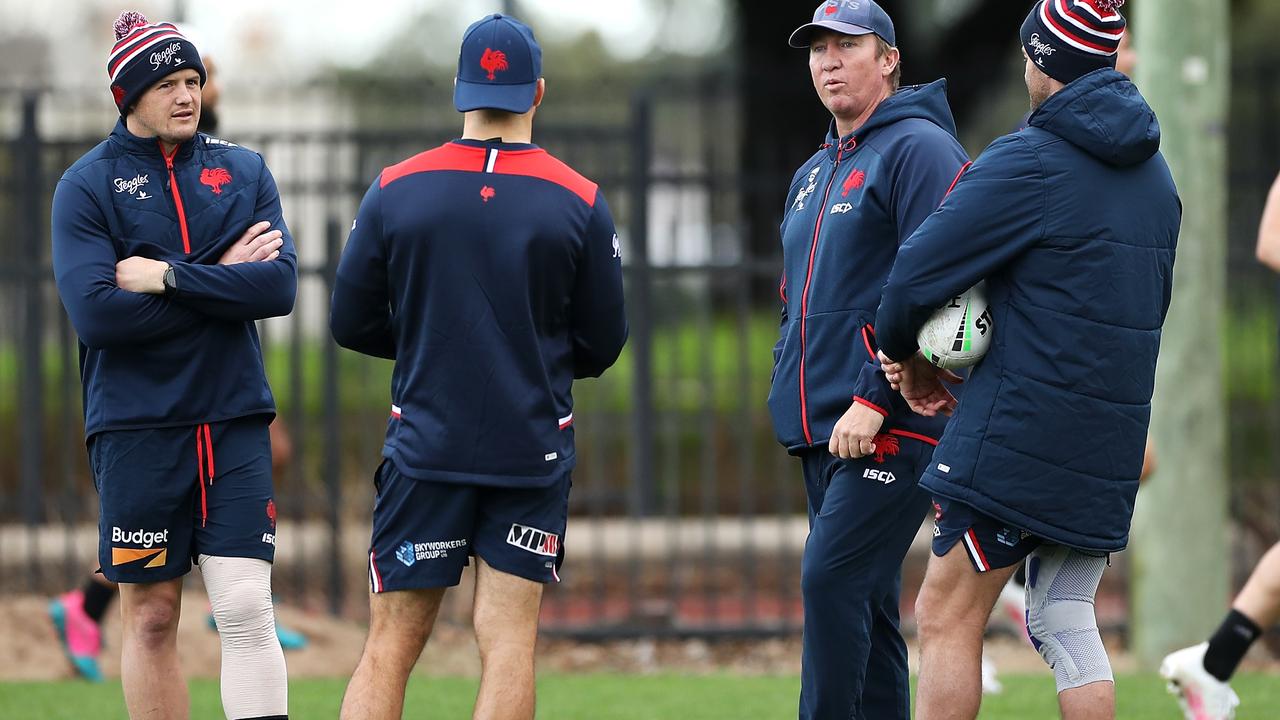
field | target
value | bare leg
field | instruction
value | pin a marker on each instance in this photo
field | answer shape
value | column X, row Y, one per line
column 400, row 623
column 1260, row 598
column 154, row 688
column 1095, row 701
column 506, row 622
column 952, row 610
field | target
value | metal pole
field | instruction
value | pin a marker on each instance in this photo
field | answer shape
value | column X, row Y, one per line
column 332, row 432
column 31, row 356
column 1181, row 565
column 641, row 500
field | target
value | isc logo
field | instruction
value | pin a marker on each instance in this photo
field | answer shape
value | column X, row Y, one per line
column 883, row 476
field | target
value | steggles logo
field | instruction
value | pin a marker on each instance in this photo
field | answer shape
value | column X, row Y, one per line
column 1041, row 47
column 131, row 186
column 165, row 56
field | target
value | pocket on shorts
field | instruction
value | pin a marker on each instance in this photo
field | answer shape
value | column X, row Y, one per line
column 108, row 448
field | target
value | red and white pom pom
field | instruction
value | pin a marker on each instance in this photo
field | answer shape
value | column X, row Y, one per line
column 1108, row 6
column 127, row 21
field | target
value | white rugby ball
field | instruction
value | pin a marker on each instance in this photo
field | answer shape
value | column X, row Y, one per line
column 959, row 333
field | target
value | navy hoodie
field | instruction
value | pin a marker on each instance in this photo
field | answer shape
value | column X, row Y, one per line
column 848, row 209
column 490, row 272
column 1073, row 222
column 151, row 361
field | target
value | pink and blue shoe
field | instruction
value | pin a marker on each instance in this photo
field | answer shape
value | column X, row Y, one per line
column 80, row 636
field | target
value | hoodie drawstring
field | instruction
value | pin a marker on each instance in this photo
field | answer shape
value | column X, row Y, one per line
column 204, row 447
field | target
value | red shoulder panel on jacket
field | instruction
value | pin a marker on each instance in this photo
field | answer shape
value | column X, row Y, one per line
column 540, row 164
column 449, row 156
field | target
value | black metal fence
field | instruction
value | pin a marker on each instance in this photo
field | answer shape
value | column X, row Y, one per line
column 686, row 517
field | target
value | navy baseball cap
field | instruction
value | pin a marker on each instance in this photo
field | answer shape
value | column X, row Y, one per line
column 498, row 66
column 851, row 17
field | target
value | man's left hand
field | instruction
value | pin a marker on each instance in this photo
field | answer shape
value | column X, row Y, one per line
column 854, row 432
column 141, row 275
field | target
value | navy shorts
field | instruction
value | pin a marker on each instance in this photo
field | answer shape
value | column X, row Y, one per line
column 168, row 495
column 988, row 543
column 424, row 532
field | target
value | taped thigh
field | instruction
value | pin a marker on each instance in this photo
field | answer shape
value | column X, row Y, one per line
column 1061, row 585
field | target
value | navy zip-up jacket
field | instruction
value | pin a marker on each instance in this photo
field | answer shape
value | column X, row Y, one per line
column 490, row 272
column 1073, row 222
column 849, row 208
column 152, row 361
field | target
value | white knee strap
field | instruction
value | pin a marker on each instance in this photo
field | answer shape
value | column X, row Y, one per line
column 254, row 681
column 1061, row 584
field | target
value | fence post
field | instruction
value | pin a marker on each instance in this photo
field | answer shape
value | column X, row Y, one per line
column 31, row 212
column 642, row 500
column 332, row 430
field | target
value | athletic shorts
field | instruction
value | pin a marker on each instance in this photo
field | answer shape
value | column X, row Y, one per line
column 988, row 543
column 168, row 495
column 425, row 532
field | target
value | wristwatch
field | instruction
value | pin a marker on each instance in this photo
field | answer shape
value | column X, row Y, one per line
column 170, row 282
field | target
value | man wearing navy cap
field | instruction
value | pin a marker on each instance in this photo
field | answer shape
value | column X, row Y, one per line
column 889, row 157
column 491, row 273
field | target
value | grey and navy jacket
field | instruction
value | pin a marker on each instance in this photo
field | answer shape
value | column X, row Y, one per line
column 491, row 273
column 1073, row 223
column 849, row 208
column 150, row 361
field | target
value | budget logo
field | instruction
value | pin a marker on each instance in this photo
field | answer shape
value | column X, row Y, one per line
column 404, row 553
column 534, row 540
column 153, row 549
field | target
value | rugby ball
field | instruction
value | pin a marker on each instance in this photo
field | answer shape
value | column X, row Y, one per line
column 959, row 333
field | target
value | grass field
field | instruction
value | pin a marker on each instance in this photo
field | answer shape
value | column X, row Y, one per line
column 620, row 697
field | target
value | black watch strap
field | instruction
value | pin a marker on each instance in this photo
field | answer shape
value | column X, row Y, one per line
column 170, row 282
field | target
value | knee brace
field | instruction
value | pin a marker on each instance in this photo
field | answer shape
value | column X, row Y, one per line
column 1061, row 584
column 254, row 683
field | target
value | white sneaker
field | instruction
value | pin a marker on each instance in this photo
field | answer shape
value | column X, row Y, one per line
column 990, row 683
column 1201, row 695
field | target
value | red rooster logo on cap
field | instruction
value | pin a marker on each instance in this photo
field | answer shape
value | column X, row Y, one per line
column 493, row 61
column 215, row 178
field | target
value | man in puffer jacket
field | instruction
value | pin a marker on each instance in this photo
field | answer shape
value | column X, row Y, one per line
column 167, row 246
column 1073, row 224
column 888, row 161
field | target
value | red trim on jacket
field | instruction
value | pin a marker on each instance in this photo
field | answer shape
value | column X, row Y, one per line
column 873, row 406
column 867, row 341
column 953, row 182
column 914, row 436
column 177, row 197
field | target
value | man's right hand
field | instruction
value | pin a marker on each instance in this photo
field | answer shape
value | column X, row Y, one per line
column 922, row 384
column 256, row 244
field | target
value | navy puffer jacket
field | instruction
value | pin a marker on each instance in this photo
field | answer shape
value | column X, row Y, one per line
column 1073, row 222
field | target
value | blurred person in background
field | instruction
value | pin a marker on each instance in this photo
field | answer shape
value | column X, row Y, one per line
column 1198, row 675
column 491, row 273
column 1073, row 223
column 77, row 615
column 889, row 157
column 171, row 363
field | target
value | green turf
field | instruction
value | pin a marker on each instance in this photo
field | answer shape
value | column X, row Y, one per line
column 620, row 697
